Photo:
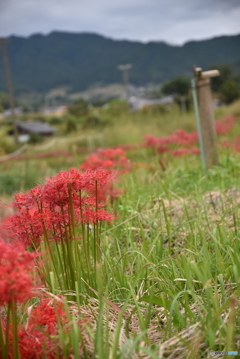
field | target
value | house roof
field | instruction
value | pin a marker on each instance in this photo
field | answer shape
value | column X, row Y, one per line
column 138, row 103
column 36, row 127
column 16, row 110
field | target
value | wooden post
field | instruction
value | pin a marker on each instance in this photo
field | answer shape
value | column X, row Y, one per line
column 206, row 115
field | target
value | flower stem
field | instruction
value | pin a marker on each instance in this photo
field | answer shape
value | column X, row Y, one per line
column 16, row 353
column 2, row 342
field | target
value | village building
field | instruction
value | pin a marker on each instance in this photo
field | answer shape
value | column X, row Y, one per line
column 137, row 103
column 26, row 128
column 53, row 110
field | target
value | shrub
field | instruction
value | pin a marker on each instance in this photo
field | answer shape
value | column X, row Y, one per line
column 8, row 183
column 35, row 138
column 229, row 91
column 54, row 120
column 70, row 124
column 7, row 145
column 94, row 121
column 79, row 108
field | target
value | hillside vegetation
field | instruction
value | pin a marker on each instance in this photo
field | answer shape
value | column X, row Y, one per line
column 80, row 61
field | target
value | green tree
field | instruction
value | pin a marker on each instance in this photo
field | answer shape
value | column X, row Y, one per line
column 79, row 108
column 70, row 124
column 179, row 86
column 226, row 74
column 229, row 91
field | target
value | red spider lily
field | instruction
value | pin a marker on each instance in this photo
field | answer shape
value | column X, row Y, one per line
column 108, row 158
column 16, row 285
column 225, row 125
column 100, row 175
column 224, row 142
column 46, row 315
column 34, row 344
column 162, row 149
column 156, row 142
column 39, row 337
column 16, row 282
column 184, row 151
column 234, row 145
column 182, row 138
column 179, row 137
column 30, row 347
column 6, row 231
column 127, row 147
column 194, row 150
column 30, row 224
column 93, row 216
column 111, row 153
column 61, row 203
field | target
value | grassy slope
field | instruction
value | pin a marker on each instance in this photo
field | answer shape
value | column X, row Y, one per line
column 172, row 257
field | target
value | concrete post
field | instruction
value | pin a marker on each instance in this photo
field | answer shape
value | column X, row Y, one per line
column 207, row 121
column 206, row 115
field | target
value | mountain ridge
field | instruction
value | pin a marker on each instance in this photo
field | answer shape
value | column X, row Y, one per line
column 62, row 32
column 80, row 60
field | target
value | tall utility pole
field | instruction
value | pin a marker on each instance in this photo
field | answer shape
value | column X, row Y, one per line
column 125, row 68
column 6, row 65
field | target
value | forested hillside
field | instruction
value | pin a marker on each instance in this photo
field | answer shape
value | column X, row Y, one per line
column 79, row 61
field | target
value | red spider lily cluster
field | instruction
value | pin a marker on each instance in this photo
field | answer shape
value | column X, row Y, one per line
column 16, row 281
column 6, row 230
column 66, row 200
column 109, row 158
column 178, row 138
column 46, row 316
column 225, row 125
column 185, row 140
column 39, row 337
column 16, row 286
column 185, row 151
column 127, row 147
column 49, row 215
column 233, row 145
column 113, row 160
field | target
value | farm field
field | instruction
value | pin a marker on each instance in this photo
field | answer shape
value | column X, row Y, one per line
column 130, row 251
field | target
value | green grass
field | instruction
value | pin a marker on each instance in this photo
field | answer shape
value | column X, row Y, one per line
column 169, row 285
column 178, row 260
column 172, row 262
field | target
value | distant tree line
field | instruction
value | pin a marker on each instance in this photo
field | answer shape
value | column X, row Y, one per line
column 227, row 85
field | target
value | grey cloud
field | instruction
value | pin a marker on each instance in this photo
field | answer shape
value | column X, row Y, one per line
column 209, row 8
column 173, row 20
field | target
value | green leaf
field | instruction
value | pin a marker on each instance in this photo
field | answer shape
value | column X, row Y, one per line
column 153, row 299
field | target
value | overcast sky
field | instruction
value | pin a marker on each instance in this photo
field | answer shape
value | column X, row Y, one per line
column 174, row 21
